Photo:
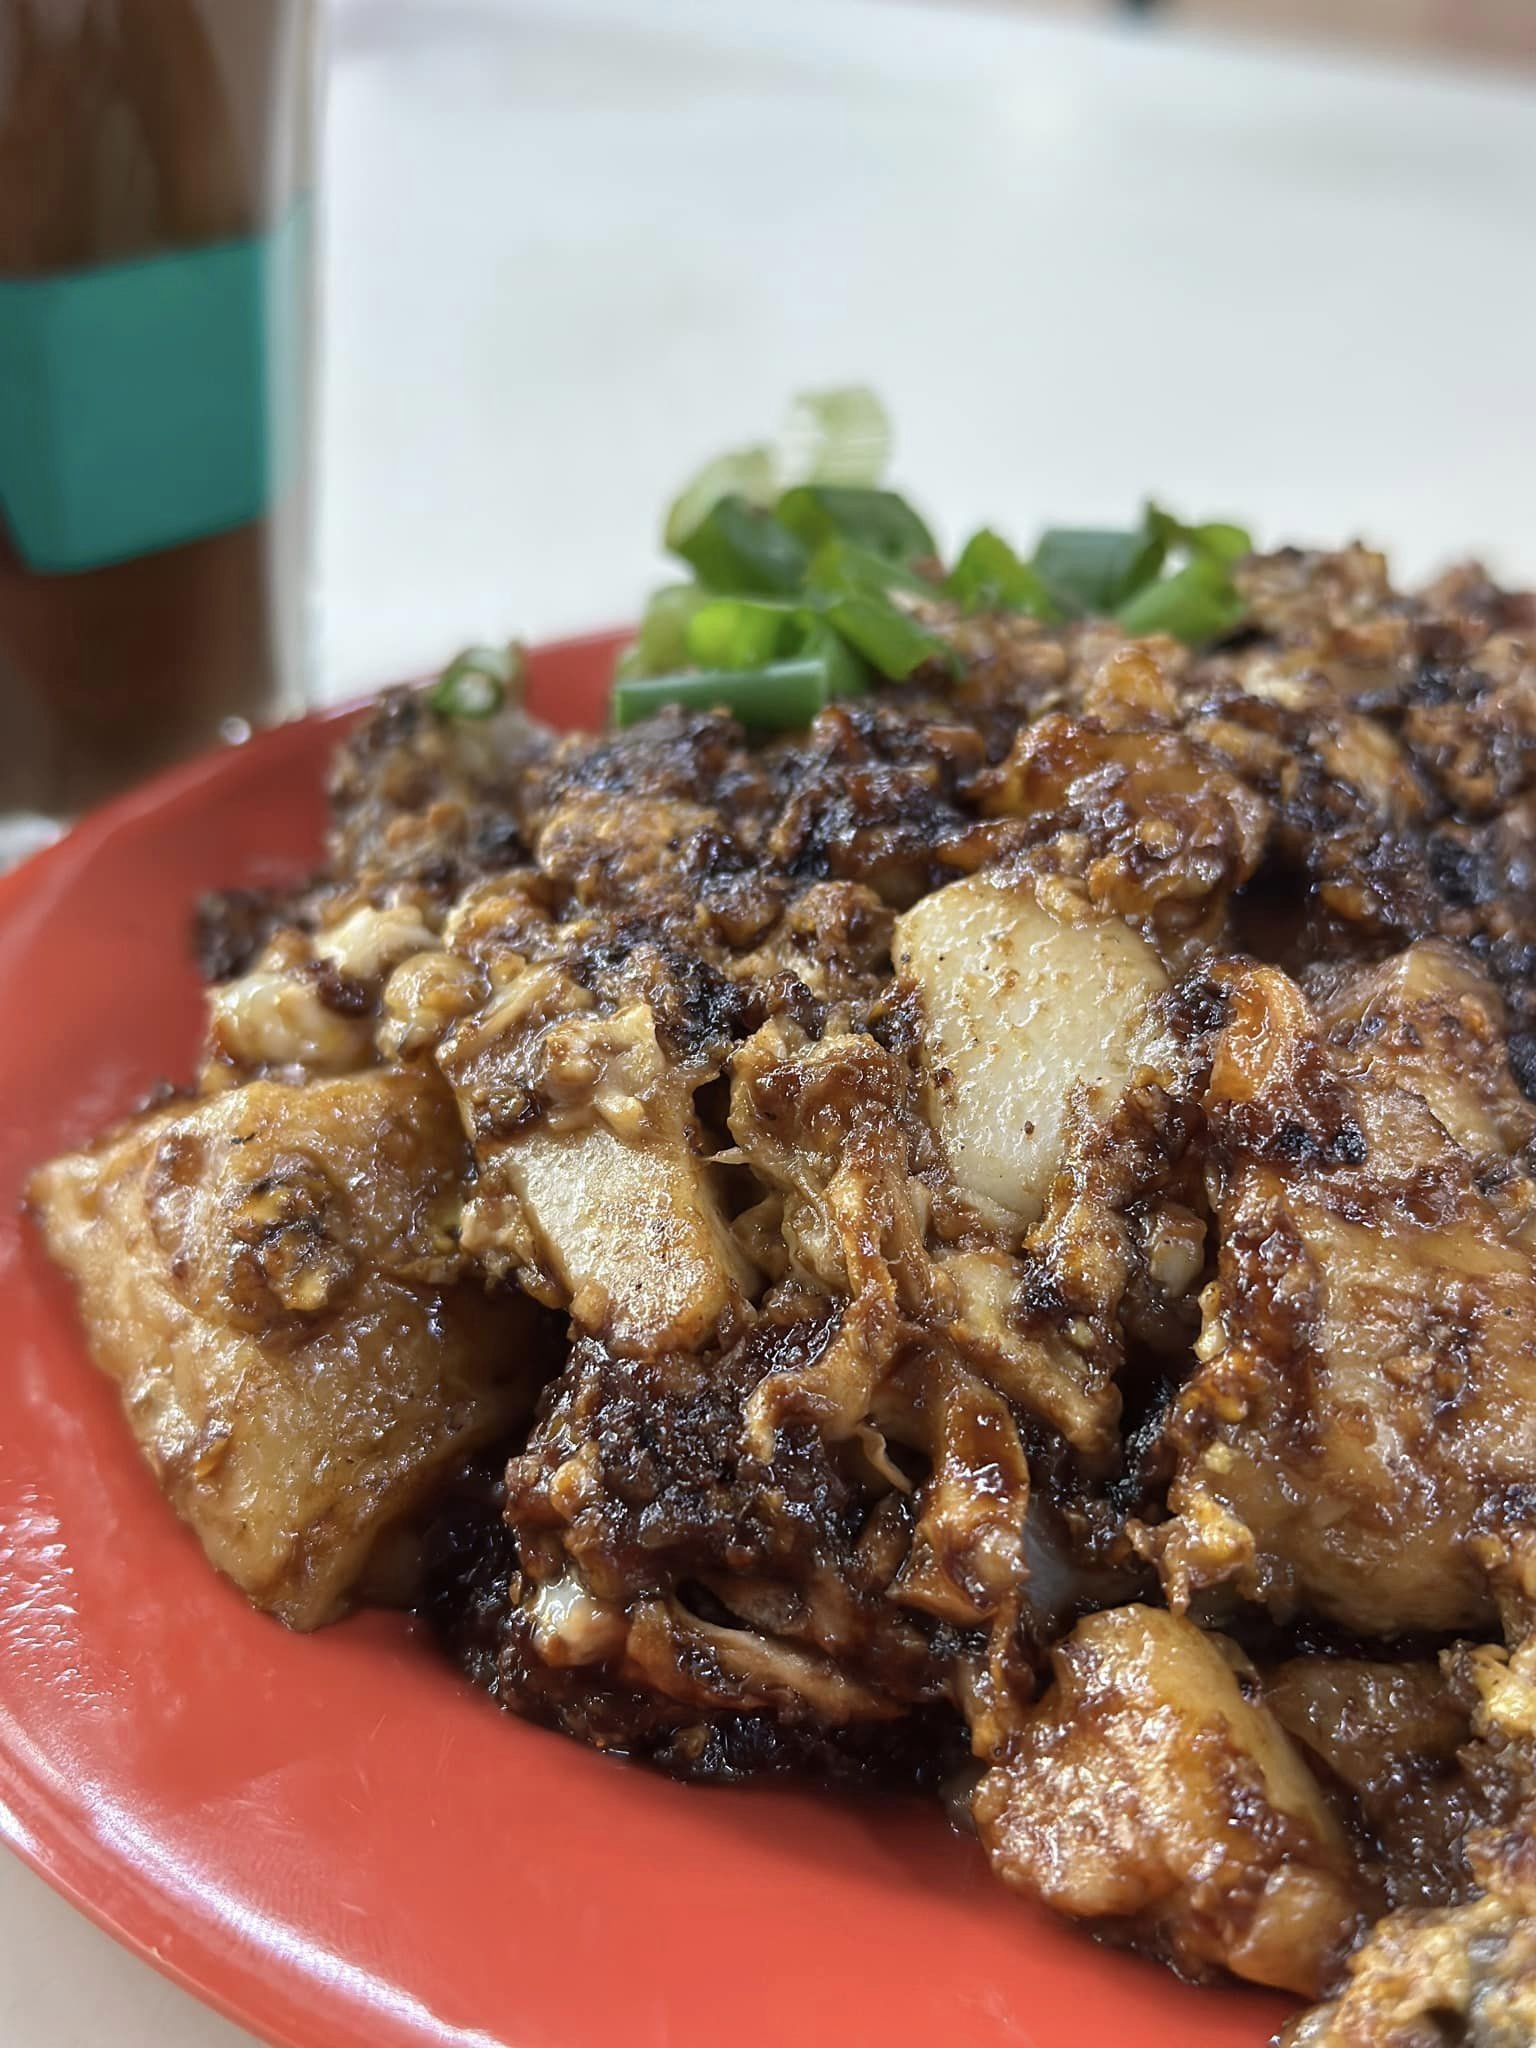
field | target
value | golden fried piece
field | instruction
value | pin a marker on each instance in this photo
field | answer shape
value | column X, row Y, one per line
column 631, row 1235
column 1051, row 1077
column 1145, row 1790
column 612, row 848
column 590, row 1186
column 1040, row 1370
column 272, row 1277
column 966, row 1561
column 1427, row 1978
column 1361, row 1717
column 1116, row 1257
column 1366, row 1398
column 828, row 1126
column 1430, row 1021
column 641, row 1591
column 1023, row 1011
column 1393, row 1740
column 279, row 1021
column 1150, row 823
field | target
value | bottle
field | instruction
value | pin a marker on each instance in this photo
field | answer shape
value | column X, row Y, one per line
column 156, row 346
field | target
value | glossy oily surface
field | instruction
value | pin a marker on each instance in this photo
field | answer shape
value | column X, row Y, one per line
column 331, row 1837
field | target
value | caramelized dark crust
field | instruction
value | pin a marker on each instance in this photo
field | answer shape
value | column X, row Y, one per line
column 1034, row 1173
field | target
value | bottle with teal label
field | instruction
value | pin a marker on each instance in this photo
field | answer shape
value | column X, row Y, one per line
column 157, row 251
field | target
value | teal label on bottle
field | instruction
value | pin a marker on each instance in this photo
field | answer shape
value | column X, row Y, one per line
column 150, row 403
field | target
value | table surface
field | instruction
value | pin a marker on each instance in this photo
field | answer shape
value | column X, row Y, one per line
column 574, row 247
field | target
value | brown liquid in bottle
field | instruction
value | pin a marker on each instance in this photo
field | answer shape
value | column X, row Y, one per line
column 129, row 127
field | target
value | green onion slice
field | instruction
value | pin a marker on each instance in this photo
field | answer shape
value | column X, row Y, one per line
column 990, row 577
column 1089, row 571
column 880, row 522
column 835, row 437
column 1198, row 601
column 660, row 644
column 851, row 589
column 750, row 633
column 739, row 548
column 890, row 640
column 840, row 437
column 1217, row 540
column 739, row 633
column 779, row 697
column 1195, row 604
column 750, row 473
column 476, row 683
column 845, row 569
column 848, row 673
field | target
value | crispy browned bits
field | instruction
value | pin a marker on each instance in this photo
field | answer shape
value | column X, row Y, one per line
column 1033, row 1173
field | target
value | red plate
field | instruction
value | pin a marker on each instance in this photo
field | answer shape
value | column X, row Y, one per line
column 331, row 1837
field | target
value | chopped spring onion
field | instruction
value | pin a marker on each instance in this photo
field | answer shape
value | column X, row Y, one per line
column 990, row 577
column 748, row 633
column 750, row 473
column 842, row 566
column 851, row 589
column 1089, row 572
column 830, row 437
column 835, row 437
column 738, row 633
column 890, row 640
column 737, row 547
column 660, row 644
column 476, row 683
column 775, row 698
column 1198, row 600
column 848, row 673
column 1195, row 604
column 1217, row 540
column 878, row 521
column 811, row 581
